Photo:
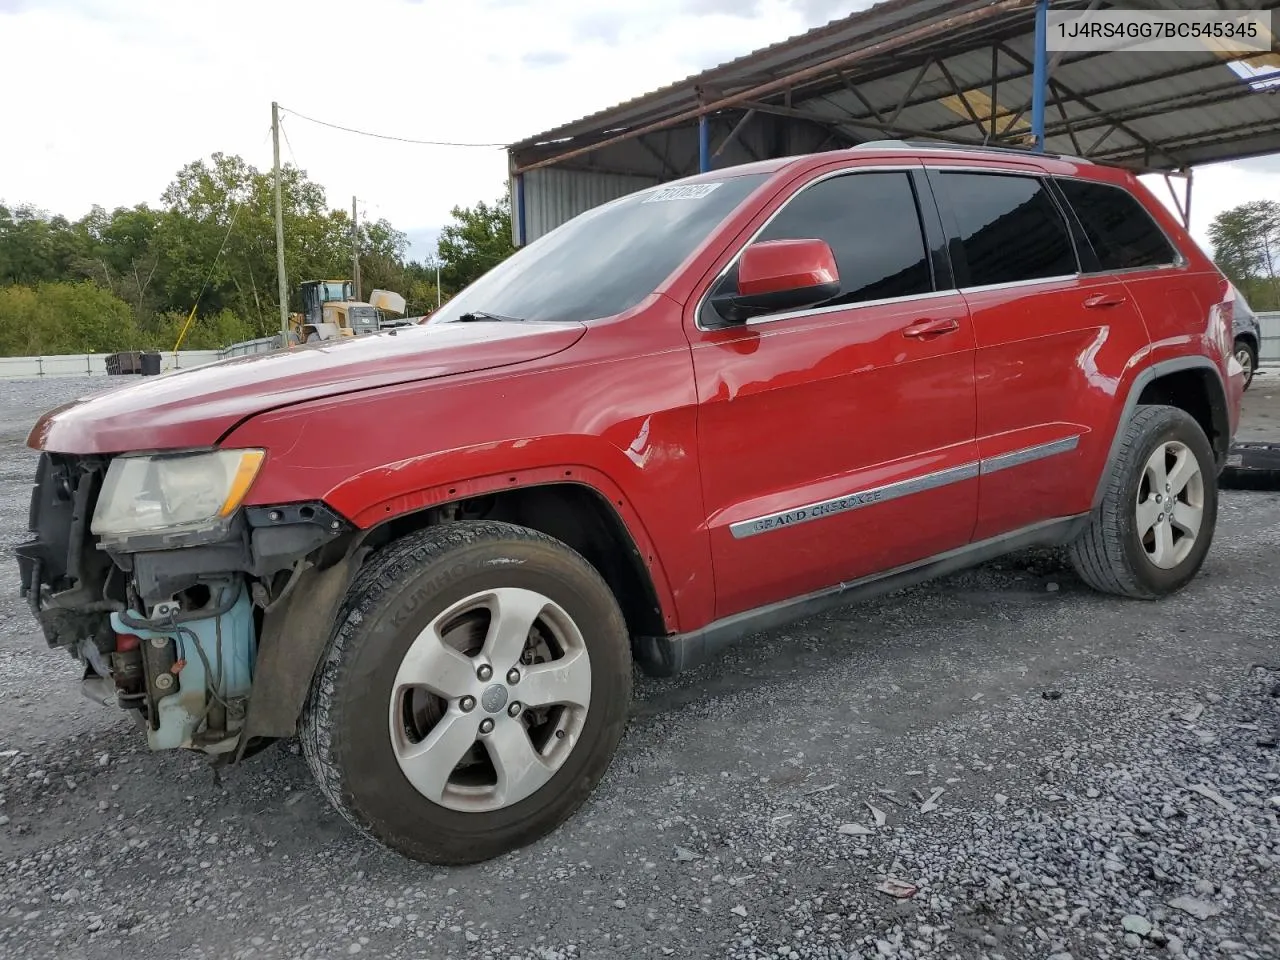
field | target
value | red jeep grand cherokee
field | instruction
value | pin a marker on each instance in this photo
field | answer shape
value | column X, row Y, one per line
column 684, row 417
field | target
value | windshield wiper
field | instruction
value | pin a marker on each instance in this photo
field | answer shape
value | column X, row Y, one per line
column 481, row 315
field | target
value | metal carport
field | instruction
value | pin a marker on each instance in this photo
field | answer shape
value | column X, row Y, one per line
column 952, row 70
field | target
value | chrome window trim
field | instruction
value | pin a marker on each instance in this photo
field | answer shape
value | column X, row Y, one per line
column 835, row 308
column 830, row 175
column 1011, row 284
column 857, row 499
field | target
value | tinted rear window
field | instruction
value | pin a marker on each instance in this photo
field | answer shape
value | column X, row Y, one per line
column 1119, row 229
column 1010, row 228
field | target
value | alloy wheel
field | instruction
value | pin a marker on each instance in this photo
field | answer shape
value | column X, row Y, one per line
column 1244, row 357
column 1170, row 504
column 490, row 700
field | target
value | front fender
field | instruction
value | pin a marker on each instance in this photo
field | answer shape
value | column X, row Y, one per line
column 385, row 453
column 384, row 493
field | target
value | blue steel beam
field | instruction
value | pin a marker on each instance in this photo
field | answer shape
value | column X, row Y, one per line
column 1040, row 74
column 704, row 144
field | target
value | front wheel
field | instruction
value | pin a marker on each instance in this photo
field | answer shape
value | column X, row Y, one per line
column 473, row 694
column 1159, row 508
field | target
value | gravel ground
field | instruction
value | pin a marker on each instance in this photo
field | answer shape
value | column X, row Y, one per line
column 998, row 765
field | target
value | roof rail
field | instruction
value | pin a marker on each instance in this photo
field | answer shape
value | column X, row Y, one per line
column 924, row 144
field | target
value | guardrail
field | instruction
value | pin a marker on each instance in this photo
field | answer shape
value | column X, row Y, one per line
column 1269, row 349
column 246, row 347
column 93, row 364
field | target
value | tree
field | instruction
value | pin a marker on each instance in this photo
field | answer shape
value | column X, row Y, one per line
column 478, row 239
column 64, row 317
column 129, row 278
column 35, row 247
column 382, row 266
column 1246, row 247
column 118, row 252
column 217, row 240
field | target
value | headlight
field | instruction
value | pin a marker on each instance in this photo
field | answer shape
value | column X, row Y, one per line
column 173, row 492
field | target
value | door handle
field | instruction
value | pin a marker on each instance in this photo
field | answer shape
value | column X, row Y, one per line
column 1103, row 300
column 931, row 328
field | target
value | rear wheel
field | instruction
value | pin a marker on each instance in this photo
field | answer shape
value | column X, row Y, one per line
column 473, row 694
column 1247, row 357
column 1156, row 522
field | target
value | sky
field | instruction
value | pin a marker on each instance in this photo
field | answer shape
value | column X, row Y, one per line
column 120, row 94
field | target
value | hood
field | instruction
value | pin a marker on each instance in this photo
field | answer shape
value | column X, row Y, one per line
column 194, row 408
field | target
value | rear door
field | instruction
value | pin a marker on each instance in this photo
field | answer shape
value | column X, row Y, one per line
column 836, row 442
column 1127, row 245
column 1047, row 338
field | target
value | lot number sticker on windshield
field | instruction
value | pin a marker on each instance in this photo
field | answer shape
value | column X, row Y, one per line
column 692, row 191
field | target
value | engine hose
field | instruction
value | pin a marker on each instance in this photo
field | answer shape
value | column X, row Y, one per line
column 174, row 622
column 224, row 607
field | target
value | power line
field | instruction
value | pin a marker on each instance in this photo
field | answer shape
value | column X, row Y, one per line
column 204, row 286
column 384, row 136
column 292, row 156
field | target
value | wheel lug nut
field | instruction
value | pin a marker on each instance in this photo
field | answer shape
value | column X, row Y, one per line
column 467, row 704
column 513, row 675
column 486, row 725
column 484, row 672
column 514, row 709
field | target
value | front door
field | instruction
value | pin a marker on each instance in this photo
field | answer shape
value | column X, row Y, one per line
column 839, row 441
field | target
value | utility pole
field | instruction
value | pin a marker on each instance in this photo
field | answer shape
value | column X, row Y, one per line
column 280, row 277
column 355, row 248
column 437, row 260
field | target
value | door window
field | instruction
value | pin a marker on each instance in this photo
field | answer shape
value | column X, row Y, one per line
column 1119, row 229
column 872, row 224
column 1010, row 228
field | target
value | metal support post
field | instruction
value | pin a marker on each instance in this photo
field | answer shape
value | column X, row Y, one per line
column 1040, row 74
column 355, row 247
column 1190, row 183
column 704, row 144
column 283, row 285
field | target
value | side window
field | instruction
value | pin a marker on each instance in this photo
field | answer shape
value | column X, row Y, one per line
column 1119, row 228
column 1010, row 228
column 873, row 227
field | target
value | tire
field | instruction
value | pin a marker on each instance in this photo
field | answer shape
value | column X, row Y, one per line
column 354, row 732
column 1247, row 356
column 313, row 337
column 1113, row 554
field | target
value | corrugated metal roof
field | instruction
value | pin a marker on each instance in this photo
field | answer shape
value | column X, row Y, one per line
column 1153, row 110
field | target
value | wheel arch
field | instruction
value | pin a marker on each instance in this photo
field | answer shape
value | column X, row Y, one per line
column 1193, row 384
column 586, row 512
column 573, row 510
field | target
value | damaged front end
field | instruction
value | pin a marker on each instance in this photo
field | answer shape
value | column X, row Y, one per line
column 149, row 572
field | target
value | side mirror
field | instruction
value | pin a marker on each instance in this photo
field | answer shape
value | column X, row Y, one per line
column 776, row 275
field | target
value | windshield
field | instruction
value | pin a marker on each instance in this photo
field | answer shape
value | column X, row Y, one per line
column 606, row 260
column 334, row 291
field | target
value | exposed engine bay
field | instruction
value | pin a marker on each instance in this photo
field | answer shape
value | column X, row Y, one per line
column 148, row 572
